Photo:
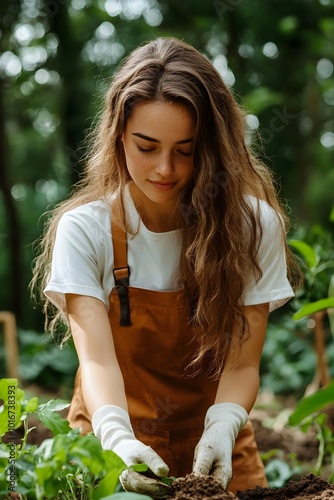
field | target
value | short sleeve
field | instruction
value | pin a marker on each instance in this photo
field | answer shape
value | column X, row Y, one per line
column 77, row 260
column 273, row 286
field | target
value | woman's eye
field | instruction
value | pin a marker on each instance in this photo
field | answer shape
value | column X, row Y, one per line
column 183, row 153
column 149, row 150
column 144, row 150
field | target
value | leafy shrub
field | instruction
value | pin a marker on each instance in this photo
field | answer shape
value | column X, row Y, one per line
column 310, row 411
column 67, row 466
column 288, row 361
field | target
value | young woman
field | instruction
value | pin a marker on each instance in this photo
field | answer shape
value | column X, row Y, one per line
column 165, row 264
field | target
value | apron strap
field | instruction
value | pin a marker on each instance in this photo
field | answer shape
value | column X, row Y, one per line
column 121, row 270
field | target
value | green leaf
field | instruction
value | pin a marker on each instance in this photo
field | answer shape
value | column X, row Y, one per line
column 88, row 451
column 324, row 266
column 306, row 252
column 4, row 453
column 44, row 471
column 45, row 449
column 48, row 483
column 140, row 467
column 11, row 412
column 306, row 424
column 53, row 421
column 113, row 461
column 331, row 287
column 277, row 472
column 319, row 305
column 330, row 310
column 26, row 483
column 4, row 383
column 54, row 405
column 168, row 480
column 107, row 485
column 312, row 404
column 31, row 405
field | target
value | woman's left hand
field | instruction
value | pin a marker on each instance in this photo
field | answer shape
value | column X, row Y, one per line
column 213, row 454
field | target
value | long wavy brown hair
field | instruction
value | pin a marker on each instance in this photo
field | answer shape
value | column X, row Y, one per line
column 216, row 259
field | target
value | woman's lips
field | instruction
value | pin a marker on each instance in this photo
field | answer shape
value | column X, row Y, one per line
column 163, row 186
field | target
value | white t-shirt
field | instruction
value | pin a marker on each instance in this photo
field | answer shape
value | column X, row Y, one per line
column 83, row 257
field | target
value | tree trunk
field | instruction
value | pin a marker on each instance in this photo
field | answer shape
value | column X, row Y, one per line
column 14, row 286
column 9, row 11
column 73, row 107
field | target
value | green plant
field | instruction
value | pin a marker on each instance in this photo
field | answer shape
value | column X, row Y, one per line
column 315, row 300
column 310, row 412
column 316, row 249
column 280, row 469
column 295, row 352
column 288, row 360
column 67, row 466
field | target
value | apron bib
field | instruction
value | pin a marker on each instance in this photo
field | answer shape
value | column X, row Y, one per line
column 154, row 343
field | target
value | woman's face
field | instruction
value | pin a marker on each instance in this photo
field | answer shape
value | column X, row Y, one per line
column 157, row 142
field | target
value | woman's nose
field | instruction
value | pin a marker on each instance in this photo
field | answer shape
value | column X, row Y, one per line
column 164, row 165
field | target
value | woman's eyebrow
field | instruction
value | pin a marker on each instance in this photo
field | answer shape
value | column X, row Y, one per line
column 151, row 139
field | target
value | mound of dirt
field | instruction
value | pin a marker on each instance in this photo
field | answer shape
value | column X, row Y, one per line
column 192, row 487
column 309, row 487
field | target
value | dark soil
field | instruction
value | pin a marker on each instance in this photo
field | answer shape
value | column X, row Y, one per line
column 194, row 487
column 310, row 487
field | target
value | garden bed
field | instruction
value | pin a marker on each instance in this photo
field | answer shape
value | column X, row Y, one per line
column 274, row 438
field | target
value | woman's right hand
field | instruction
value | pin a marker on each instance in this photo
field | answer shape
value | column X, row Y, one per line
column 112, row 426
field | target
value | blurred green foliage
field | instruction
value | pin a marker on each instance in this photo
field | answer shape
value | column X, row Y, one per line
column 288, row 362
column 316, row 251
column 314, row 411
column 42, row 362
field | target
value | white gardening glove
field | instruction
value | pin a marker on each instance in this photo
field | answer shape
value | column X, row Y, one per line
column 213, row 454
column 111, row 425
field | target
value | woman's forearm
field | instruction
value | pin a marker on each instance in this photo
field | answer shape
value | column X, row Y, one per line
column 239, row 386
column 241, row 381
column 102, row 385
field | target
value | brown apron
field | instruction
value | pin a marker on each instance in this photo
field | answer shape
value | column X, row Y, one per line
column 166, row 406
